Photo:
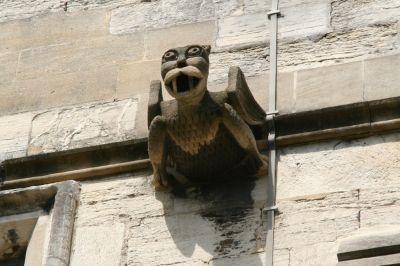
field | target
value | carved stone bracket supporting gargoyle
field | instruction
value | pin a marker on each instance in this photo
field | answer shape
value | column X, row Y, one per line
column 202, row 137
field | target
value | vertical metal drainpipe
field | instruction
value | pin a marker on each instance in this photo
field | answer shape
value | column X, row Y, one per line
column 271, row 208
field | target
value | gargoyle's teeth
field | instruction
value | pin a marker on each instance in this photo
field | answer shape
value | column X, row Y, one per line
column 191, row 83
column 174, row 85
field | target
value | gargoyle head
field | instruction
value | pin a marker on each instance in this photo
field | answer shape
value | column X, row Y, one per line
column 185, row 71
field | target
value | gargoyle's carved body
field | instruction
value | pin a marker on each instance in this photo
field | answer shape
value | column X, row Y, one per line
column 199, row 137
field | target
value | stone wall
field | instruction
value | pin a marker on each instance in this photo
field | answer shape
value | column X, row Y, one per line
column 326, row 192
column 62, row 61
column 76, row 73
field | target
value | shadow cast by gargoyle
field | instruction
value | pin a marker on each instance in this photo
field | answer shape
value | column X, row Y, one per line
column 220, row 219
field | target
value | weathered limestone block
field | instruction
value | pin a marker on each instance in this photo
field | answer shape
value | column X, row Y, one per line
column 281, row 258
column 252, row 62
column 214, row 224
column 98, row 245
column 51, row 29
column 317, row 254
column 134, row 79
column 337, row 47
column 80, row 126
column 127, row 200
column 8, row 67
column 251, row 28
column 381, row 206
column 159, row 14
column 323, row 87
column 14, row 135
column 10, row 10
column 353, row 13
column 382, row 78
column 187, row 237
column 62, row 89
column 80, row 55
column 259, row 88
column 159, row 40
column 339, row 165
column 314, row 219
column 38, row 242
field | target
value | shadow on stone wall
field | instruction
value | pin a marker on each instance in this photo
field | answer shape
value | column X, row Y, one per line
column 220, row 219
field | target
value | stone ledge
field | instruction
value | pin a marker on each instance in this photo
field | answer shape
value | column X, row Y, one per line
column 372, row 243
column 341, row 122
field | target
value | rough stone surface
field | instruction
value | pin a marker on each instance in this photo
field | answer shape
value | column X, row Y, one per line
column 79, row 55
column 56, row 90
column 14, row 135
column 98, row 245
column 135, row 78
column 51, row 29
column 38, row 242
column 329, row 86
column 159, row 14
column 259, row 87
column 339, row 165
column 382, row 79
column 300, row 18
column 79, row 126
column 194, row 230
column 353, row 13
column 159, row 41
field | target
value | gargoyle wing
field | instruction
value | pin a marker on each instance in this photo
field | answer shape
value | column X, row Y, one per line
column 155, row 99
column 242, row 100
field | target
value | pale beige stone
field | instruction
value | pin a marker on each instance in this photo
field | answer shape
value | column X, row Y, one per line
column 52, row 28
column 339, row 165
column 14, row 135
column 54, row 90
column 382, row 77
column 80, row 55
column 253, row 260
column 141, row 128
column 36, row 249
column 252, row 28
column 8, row 68
column 353, row 13
column 159, row 14
column 98, row 245
column 159, row 41
column 192, row 237
column 80, row 126
column 285, row 91
column 329, row 86
column 380, row 206
column 315, row 219
column 135, row 78
column 130, row 199
column 318, row 254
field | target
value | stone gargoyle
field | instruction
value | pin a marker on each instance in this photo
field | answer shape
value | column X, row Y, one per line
column 201, row 136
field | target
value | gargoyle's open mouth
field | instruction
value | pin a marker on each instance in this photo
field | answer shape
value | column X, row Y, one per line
column 180, row 81
column 183, row 83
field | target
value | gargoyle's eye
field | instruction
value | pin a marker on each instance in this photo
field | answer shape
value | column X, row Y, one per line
column 194, row 51
column 170, row 55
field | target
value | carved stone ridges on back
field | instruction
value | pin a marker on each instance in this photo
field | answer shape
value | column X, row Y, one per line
column 201, row 137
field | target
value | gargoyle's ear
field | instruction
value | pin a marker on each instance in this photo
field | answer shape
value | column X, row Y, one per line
column 207, row 48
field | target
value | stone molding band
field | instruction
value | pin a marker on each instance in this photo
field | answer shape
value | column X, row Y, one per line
column 340, row 122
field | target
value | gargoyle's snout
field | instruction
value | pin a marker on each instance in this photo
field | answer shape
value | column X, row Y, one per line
column 181, row 80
